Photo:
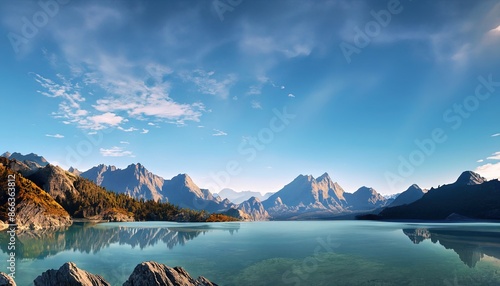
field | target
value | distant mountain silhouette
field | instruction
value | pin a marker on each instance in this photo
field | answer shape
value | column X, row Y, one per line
column 365, row 199
column 469, row 178
column 239, row 197
column 466, row 198
column 413, row 193
column 41, row 161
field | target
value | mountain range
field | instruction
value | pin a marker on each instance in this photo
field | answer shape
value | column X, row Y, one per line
column 469, row 197
column 306, row 197
column 137, row 182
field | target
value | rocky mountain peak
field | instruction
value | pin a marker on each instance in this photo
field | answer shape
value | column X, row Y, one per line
column 366, row 191
column 412, row 194
column 470, row 178
column 74, row 171
column 32, row 157
column 185, row 179
column 325, row 176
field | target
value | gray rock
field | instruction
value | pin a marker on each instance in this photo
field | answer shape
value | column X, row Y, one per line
column 6, row 280
column 69, row 275
column 33, row 216
column 153, row 274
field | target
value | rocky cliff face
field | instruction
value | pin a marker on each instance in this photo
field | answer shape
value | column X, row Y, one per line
column 35, row 209
column 152, row 273
column 69, row 275
column 34, row 216
column 6, row 280
column 55, row 181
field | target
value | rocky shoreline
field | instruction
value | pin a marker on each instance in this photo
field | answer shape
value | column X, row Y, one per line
column 148, row 273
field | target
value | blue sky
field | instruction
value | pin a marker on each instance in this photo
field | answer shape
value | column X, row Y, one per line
column 249, row 94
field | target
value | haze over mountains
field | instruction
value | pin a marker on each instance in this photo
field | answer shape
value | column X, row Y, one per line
column 306, row 197
column 239, row 197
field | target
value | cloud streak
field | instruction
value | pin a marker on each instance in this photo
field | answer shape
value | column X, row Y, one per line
column 219, row 133
column 496, row 156
column 58, row 136
column 115, row 151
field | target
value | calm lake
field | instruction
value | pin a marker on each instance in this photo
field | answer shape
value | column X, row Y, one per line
column 273, row 253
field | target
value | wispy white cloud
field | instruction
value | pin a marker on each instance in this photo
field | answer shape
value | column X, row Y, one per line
column 115, row 151
column 256, row 105
column 124, row 142
column 480, row 161
column 103, row 120
column 495, row 135
column 489, row 171
column 59, row 136
column 496, row 156
column 262, row 81
column 219, row 133
column 291, row 95
column 207, row 83
column 260, row 44
column 130, row 129
column 65, row 90
column 145, row 131
column 69, row 108
column 496, row 30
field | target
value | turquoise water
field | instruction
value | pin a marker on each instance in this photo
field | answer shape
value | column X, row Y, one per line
column 273, row 253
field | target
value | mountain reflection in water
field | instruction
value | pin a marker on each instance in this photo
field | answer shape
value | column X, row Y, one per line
column 471, row 246
column 91, row 238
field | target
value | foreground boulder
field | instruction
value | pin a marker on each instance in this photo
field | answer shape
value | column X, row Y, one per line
column 69, row 275
column 6, row 280
column 152, row 274
column 145, row 274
